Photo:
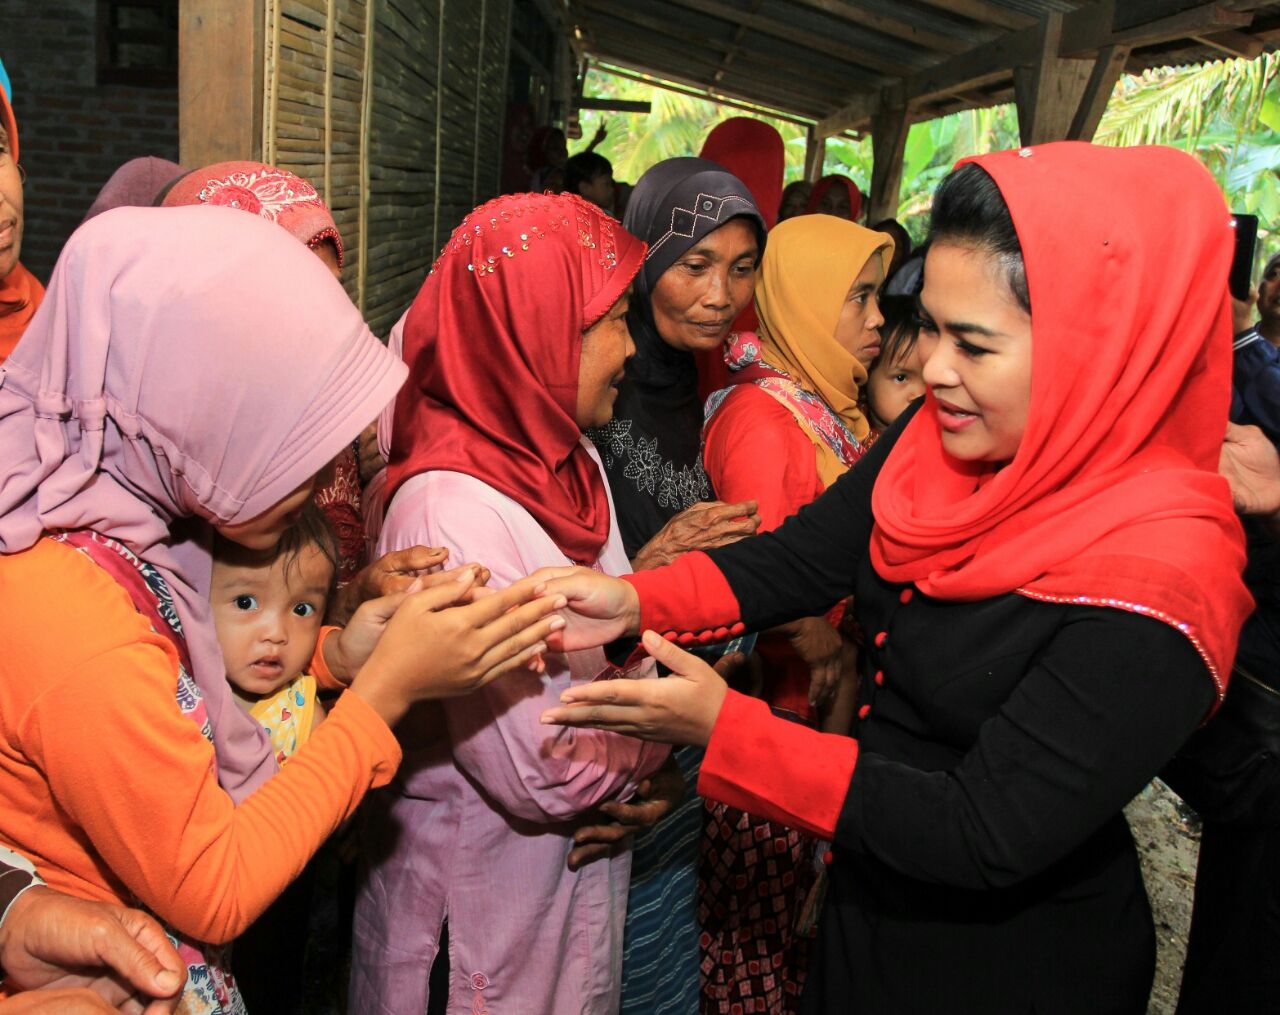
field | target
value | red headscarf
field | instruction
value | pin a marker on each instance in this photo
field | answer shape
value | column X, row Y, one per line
column 20, row 291
column 1113, row 497
column 753, row 152
column 273, row 194
column 493, row 341
column 835, row 180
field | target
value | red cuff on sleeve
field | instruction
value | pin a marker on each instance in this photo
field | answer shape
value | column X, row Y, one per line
column 777, row 769
column 688, row 601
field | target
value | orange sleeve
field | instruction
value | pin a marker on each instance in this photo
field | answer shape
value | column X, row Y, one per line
column 136, row 777
column 325, row 680
column 755, row 450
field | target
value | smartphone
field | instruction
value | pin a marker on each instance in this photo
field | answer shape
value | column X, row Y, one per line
column 1240, row 281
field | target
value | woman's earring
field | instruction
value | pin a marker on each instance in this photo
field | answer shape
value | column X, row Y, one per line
column 22, row 173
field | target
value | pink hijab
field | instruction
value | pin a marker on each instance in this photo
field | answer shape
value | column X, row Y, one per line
column 144, row 392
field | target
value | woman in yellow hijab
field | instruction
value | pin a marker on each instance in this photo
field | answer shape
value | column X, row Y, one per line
column 787, row 426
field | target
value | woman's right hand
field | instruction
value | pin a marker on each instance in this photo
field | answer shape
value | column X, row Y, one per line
column 703, row 526
column 443, row 642
column 599, row 609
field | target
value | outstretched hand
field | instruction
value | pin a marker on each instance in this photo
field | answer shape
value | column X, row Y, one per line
column 391, row 573
column 678, row 709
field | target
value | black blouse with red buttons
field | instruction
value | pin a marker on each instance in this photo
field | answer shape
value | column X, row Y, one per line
column 981, row 862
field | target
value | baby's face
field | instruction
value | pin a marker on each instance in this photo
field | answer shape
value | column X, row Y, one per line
column 891, row 387
column 268, row 618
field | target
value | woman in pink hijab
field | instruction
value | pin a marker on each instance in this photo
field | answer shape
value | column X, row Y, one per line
column 292, row 203
column 190, row 371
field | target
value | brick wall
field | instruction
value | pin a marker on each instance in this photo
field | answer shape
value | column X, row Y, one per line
column 74, row 132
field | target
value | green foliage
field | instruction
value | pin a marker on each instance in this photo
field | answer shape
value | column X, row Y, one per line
column 1226, row 113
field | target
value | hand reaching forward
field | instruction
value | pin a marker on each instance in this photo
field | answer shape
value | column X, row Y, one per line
column 678, row 709
column 703, row 526
column 655, row 798
column 392, row 572
column 438, row 644
column 72, row 953
column 1251, row 465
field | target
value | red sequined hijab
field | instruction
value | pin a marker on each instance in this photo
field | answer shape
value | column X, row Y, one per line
column 1113, row 497
column 493, row 342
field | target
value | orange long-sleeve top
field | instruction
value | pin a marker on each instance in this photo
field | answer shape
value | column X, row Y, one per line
column 112, row 792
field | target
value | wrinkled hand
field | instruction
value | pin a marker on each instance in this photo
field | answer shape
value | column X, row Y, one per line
column 80, row 951
column 820, row 646
column 655, row 798
column 677, row 709
column 1251, row 465
column 701, row 527
column 58, row 1002
column 370, row 458
column 440, row 644
column 392, row 572
column 1242, row 312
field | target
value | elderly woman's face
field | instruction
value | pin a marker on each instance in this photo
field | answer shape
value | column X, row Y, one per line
column 10, row 208
column 697, row 298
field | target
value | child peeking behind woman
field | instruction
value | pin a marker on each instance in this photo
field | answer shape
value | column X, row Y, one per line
column 896, row 378
column 268, row 610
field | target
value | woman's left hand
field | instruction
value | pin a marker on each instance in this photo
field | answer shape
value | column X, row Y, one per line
column 392, row 572
column 655, row 798
column 678, row 709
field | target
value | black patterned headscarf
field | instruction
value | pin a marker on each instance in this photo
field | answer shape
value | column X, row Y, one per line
column 652, row 449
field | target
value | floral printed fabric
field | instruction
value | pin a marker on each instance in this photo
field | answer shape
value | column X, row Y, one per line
column 742, row 350
column 643, row 464
column 210, row 988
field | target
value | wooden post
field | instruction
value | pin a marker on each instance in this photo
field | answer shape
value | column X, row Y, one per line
column 1048, row 92
column 1107, row 69
column 815, row 153
column 889, row 126
column 220, row 67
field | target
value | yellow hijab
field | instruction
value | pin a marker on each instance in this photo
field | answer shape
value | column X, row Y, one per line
column 809, row 264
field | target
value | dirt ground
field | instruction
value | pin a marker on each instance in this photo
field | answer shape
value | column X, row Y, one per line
column 1168, row 836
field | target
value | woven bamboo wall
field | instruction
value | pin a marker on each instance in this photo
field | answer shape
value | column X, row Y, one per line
column 393, row 109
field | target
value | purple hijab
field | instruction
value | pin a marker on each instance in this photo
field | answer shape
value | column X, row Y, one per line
column 186, row 363
column 135, row 185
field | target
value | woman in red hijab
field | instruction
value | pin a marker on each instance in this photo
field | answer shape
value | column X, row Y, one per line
column 515, row 345
column 835, row 195
column 20, row 291
column 1047, row 566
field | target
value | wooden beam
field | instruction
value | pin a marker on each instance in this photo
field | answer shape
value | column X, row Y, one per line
column 855, row 55
column 623, row 56
column 862, row 16
column 757, row 86
column 889, row 128
column 1107, row 69
column 984, row 12
column 220, row 67
column 1048, row 90
column 1084, row 33
column 815, row 154
column 613, row 105
column 619, row 68
column 736, row 45
column 1234, row 44
column 754, row 58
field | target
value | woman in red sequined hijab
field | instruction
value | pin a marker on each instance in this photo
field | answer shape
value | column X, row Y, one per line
column 508, row 417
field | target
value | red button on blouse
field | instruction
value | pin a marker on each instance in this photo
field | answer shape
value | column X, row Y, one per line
column 864, row 711
column 881, row 638
column 905, row 596
column 879, row 678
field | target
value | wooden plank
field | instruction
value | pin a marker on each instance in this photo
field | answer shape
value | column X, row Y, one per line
column 854, row 55
column 889, row 129
column 614, row 105
column 1234, row 44
column 985, row 12
column 815, row 153
column 220, row 45
column 1048, row 91
column 1107, row 69
column 864, row 17
column 636, row 72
